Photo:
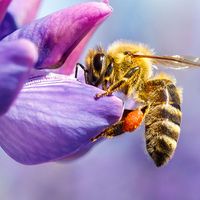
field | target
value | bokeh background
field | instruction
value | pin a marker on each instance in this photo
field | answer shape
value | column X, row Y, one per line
column 120, row 168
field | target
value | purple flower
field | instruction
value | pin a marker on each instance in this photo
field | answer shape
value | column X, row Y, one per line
column 3, row 7
column 19, row 13
column 54, row 116
column 15, row 66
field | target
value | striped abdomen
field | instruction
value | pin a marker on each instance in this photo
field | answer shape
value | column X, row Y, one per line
column 162, row 121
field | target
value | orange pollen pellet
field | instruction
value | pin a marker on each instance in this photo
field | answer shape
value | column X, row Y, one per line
column 133, row 120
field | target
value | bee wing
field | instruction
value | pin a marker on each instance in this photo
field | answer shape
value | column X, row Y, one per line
column 175, row 62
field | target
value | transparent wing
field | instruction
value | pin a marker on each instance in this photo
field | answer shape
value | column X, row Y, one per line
column 175, row 62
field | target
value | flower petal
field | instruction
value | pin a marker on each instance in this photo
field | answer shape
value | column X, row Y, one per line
column 54, row 118
column 24, row 11
column 70, row 62
column 7, row 26
column 16, row 60
column 57, row 35
column 19, row 13
column 3, row 8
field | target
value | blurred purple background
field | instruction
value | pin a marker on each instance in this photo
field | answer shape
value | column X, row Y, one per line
column 120, row 168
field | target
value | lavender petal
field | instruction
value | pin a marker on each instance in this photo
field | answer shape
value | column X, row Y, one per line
column 3, row 7
column 19, row 13
column 16, row 60
column 24, row 11
column 7, row 26
column 57, row 35
column 54, row 118
column 75, row 54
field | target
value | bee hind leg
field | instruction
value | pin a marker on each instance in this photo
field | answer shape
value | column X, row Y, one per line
column 130, row 121
column 111, row 131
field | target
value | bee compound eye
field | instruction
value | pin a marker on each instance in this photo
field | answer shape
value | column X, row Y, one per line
column 98, row 61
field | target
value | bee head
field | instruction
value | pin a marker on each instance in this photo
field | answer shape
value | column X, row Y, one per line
column 96, row 65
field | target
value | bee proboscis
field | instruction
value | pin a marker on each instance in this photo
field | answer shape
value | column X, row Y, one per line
column 128, row 67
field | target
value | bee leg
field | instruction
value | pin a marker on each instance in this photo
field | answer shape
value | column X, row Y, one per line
column 111, row 89
column 84, row 69
column 131, row 120
column 111, row 131
column 132, row 72
column 105, row 84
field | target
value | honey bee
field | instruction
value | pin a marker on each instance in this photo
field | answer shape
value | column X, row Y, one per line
column 128, row 67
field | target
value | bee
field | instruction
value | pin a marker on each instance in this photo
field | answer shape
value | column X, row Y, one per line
column 128, row 68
